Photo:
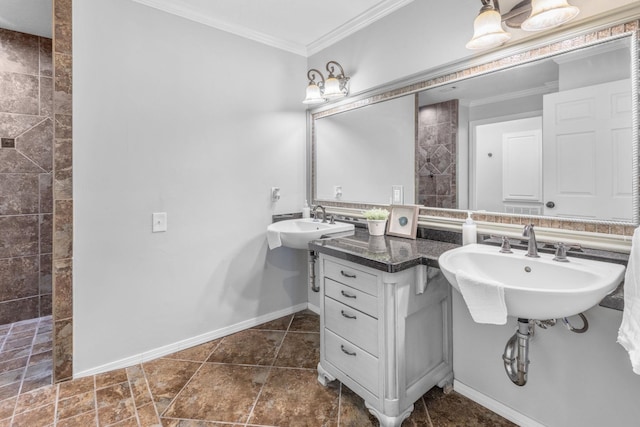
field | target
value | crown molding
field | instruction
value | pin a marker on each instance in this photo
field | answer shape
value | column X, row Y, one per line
column 377, row 12
column 239, row 30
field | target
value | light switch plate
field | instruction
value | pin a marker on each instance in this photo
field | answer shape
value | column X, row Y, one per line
column 159, row 223
column 397, row 194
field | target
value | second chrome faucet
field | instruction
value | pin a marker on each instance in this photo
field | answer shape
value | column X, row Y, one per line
column 532, row 247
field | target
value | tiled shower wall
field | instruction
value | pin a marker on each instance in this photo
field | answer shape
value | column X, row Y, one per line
column 62, row 193
column 26, row 164
column 436, row 154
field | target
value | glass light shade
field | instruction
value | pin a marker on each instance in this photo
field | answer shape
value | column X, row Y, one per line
column 487, row 31
column 547, row 14
column 313, row 95
column 332, row 88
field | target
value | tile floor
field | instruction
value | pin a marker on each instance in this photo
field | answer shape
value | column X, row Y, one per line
column 25, row 356
column 263, row 376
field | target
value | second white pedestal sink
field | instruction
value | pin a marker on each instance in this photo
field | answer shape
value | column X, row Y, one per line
column 535, row 288
column 297, row 233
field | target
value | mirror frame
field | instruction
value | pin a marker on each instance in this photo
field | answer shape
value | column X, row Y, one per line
column 578, row 229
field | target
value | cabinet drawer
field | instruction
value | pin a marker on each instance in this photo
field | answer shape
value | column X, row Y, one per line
column 344, row 273
column 352, row 325
column 352, row 360
column 351, row 297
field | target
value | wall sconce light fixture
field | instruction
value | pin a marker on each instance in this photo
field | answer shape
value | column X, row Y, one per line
column 334, row 87
column 529, row 15
column 487, row 27
column 547, row 14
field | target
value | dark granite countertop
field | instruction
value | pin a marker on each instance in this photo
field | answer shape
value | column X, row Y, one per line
column 394, row 254
column 385, row 253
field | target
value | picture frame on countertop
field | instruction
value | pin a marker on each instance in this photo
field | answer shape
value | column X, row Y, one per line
column 403, row 221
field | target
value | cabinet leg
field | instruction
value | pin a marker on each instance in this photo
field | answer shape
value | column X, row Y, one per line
column 446, row 384
column 387, row 421
column 324, row 377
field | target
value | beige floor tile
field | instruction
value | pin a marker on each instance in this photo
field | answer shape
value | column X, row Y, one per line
column 305, row 321
column 88, row 419
column 77, row 386
column 199, row 353
column 36, row 398
column 353, row 413
column 139, row 386
column 166, row 378
column 39, row 417
column 6, row 407
column 299, row 350
column 76, row 405
column 120, row 411
column 250, row 347
column 293, row 397
column 236, row 382
column 454, row 409
column 281, row 324
column 225, row 393
column 110, row 378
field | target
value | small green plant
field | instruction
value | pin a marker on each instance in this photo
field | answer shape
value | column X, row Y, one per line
column 376, row 214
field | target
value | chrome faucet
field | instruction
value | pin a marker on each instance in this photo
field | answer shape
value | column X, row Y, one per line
column 315, row 213
column 532, row 248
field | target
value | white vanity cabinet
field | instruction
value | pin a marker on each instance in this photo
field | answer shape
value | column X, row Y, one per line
column 386, row 336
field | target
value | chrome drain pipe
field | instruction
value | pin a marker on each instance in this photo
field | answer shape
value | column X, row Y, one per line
column 312, row 271
column 516, row 354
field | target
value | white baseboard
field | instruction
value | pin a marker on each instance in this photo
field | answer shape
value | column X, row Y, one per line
column 190, row 342
column 497, row 407
column 313, row 308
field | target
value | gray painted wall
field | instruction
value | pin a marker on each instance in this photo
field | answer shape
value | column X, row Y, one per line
column 173, row 116
column 575, row 380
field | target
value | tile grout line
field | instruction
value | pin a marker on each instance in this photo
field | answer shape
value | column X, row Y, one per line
column 339, row 404
column 55, row 405
column 153, row 403
column 275, row 357
column 133, row 400
column 9, row 332
column 424, row 402
column 15, row 404
column 95, row 400
column 185, row 384
column 24, row 372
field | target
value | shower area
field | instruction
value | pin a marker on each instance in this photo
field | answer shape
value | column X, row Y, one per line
column 26, row 211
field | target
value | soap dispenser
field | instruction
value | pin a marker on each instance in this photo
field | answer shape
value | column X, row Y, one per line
column 469, row 231
column 306, row 210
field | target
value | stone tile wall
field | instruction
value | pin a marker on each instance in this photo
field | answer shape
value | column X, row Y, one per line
column 436, row 154
column 62, row 193
column 26, row 164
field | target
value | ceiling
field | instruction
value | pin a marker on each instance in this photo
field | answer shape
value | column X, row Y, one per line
column 303, row 27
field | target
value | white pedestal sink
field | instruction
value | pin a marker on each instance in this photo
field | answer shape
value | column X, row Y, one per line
column 536, row 288
column 297, row 233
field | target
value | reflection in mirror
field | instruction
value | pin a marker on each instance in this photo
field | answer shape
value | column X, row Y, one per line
column 550, row 137
column 363, row 155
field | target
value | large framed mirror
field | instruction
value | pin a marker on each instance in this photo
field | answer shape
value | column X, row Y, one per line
column 550, row 132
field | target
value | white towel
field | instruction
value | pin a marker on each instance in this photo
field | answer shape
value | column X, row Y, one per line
column 484, row 298
column 273, row 238
column 629, row 332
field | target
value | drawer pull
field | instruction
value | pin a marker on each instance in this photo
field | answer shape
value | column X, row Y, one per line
column 348, row 316
column 347, row 295
column 347, row 352
column 349, row 275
